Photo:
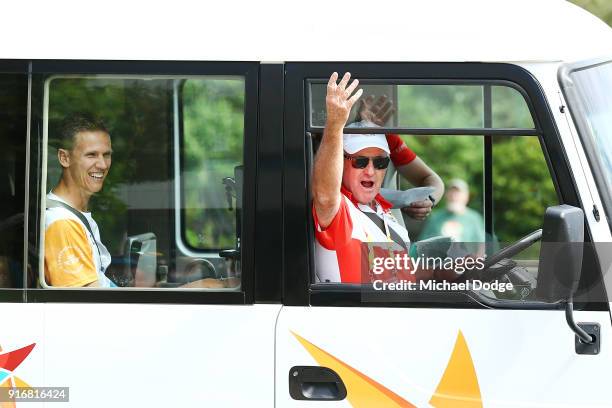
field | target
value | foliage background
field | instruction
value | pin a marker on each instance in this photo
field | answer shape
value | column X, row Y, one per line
column 601, row 8
column 522, row 184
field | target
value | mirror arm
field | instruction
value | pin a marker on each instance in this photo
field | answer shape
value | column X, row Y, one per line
column 569, row 317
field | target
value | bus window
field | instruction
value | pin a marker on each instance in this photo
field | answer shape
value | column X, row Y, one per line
column 456, row 106
column 591, row 105
column 13, row 128
column 212, row 149
column 169, row 209
column 481, row 140
column 520, row 191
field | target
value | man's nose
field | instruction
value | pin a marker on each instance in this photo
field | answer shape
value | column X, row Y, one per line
column 369, row 169
column 102, row 163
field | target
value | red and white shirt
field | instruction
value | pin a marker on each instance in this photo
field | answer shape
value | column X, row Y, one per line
column 400, row 153
column 339, row 247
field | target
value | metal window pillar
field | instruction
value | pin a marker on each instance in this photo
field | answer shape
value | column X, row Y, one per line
column 488, row 162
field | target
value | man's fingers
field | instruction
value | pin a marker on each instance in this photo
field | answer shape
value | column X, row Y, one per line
column 351, row 87
column 355, row 97
column 387, row 115
column 380, row 101
column 421, row 204
column 344, row 81
column 385, row 112
column 369, row 99
column 383, row 109
column 332, row 80
column 418, row 213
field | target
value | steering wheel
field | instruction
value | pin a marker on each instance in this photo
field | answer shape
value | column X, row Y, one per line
column 500, row 263
column 513, row 249
column 200, row 268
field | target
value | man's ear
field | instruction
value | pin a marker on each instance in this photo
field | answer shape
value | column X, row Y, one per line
column 63, row 156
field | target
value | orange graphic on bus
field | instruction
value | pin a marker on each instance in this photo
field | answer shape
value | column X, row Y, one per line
column 458, row 387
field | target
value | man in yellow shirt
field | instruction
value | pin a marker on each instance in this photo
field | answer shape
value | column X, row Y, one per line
column 74, row 253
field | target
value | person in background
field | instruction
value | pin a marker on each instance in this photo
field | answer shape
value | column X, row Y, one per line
column 456, row 220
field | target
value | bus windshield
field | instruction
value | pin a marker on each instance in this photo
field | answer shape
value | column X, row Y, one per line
column 593, row 86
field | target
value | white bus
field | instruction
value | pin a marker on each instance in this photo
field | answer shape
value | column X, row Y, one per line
column 215, row 112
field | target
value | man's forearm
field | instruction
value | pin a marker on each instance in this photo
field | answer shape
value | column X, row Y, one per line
column 420, row 175
column 433, row 180
column 327, row 175
column 328, row 165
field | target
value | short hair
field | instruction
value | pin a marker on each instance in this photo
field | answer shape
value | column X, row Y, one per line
column 75, row 123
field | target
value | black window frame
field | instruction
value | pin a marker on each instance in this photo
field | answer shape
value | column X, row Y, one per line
column 298, row 289
column 487, row 129
column 182, row 216
column 40, row 71
column 18, row 295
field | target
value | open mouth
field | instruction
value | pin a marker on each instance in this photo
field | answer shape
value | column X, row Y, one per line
column 97, row 176
column 367, row 184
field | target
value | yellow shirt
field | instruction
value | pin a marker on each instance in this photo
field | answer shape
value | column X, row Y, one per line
column 71, row 259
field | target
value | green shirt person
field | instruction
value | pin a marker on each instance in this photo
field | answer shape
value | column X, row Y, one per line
column 457, row 220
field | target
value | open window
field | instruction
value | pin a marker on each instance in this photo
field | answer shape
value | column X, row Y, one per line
column 481, row 137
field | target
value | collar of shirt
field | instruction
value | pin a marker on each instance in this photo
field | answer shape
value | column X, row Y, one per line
column 379, row 200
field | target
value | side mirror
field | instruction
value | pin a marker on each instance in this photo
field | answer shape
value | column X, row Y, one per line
column 561, row 253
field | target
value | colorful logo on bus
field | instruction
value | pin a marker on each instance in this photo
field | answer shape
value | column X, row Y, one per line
column 458, row 387
column 9, row 362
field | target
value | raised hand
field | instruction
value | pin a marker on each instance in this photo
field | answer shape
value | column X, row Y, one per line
column 340, row 100
column 377, row 111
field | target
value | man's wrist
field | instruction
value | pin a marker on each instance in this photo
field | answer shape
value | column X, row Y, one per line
column 334, row 128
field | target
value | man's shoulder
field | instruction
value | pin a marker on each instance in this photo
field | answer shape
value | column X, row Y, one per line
column 65, row 233
column 55, row 211
column 62, row 222
column 55, row 214
column 65, row 226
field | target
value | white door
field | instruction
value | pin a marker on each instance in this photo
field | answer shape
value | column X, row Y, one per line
column 404, row 357
column 448, row 349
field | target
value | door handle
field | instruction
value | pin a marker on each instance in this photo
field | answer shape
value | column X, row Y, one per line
column 315, row 384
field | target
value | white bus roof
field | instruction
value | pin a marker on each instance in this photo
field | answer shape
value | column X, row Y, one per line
column 315, row 30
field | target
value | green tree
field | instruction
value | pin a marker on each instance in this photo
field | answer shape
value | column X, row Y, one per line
column 213, row 148
column 522, row 186
column 600, row 8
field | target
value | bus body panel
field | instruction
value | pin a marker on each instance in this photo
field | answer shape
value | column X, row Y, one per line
column 444, row 357
column 475, row 30
column 147, row 355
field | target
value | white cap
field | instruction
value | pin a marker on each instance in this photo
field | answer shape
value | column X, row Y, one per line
column 356, row 142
